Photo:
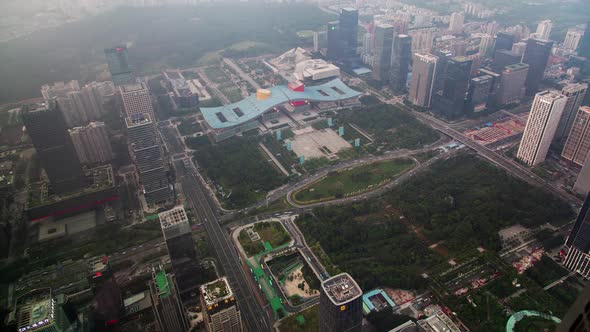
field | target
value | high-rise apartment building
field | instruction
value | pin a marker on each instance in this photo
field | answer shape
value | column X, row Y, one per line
column 57, row 155
column 451, row 103
column 577, row 145
column 456, row 22
column 220, row 312
column 584, row 48
column 166, row 304
column 341, row 304
column 423, row 74
column 383, row 49
column 572, row 39
column 348, row 31
column 333, row 51
column 80, row 105
column 486, row 45
column 512, row 84
column 117, row 59
column 181, row 249
column 400, row 62
column 536, row 56
column 577, row 245
column 575, row 93
column 145, row 150
column 504, row 41
column 544, row 30
column 519, row 48
column 92, row 143
column 541, row 126
column 422, row 39
column 136, row 100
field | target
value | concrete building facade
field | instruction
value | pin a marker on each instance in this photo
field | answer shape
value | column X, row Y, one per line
column 136, row 100
column 541, row 126
column 575, row 93
column 423, row 76
column 340, row 305
column 92, row 143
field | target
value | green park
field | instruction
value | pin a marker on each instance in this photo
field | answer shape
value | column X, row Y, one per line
column 352, row 181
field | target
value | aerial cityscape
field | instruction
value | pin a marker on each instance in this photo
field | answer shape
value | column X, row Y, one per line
column 307, row 165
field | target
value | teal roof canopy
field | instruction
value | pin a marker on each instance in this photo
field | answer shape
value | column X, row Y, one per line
column 250, row 108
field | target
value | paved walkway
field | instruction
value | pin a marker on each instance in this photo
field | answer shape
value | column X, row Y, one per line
column 274, row 160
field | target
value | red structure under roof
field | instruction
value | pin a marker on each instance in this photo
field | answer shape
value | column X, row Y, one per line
column 297, row 86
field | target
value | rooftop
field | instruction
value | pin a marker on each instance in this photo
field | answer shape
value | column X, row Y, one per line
column 250, row 108
column 217, row 291
column 163, row 284
column 516, row 66
column 341, row 289
column 133, row 87
column 137, row 119
column 35, row 310
column 101, row 177
column 550, row 95
column 172, row 217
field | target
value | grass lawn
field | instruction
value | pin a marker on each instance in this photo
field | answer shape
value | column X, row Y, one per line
column 305, row 321
column 272, row 232
column 216, row 74
column 352, row 181
column 234, row 94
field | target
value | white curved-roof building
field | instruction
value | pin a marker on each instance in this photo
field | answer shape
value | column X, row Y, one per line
column 315, row 69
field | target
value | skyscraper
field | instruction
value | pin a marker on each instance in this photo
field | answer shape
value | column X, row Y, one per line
column 519, row 48
column 136, row 100
column 333, row 51
column 166, row 303
column 584, row 49
column 348, row 31
column 117, row 59
column 572, row 39
column 340, row 305
column 146, row 152
column 479, row 93
column 541, row 126
column 504, row 41
column 544, row 30
column 577, row 145
column 423, row 74
column 92, row 143
column 451, row 104
column 486, row 45
column 181, row 249
column 456, row 23
column 41, row 311
column 441, row 69
column 220, row 312
column 512, row 84
column 577, row 245
column 582, row 184
column 503, row 58
column 400, row 62
column 536, row 56
column 383, row 49
column 47, row 129
column 575, row 93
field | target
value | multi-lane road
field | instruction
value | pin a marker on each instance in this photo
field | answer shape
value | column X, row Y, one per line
column 254, row 316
